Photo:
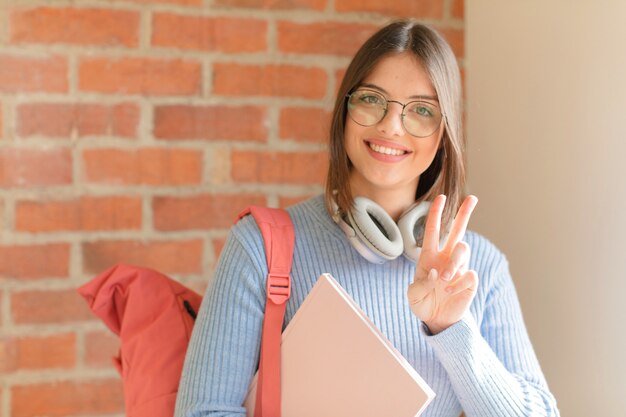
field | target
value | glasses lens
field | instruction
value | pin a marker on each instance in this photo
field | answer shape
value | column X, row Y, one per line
column 366, row 107
column 421, row 118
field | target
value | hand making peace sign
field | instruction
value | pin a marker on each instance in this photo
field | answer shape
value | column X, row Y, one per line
column 443, row 288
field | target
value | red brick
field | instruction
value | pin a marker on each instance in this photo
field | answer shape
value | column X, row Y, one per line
column 279, row 167
column 285, row 202
column 211, row 122
column 148, row 76
column 23, row 167
column 456, row 40
column 339, row 74
column 83, row 214
column 68, row 398
column 184, row 257
column 269, row 80
column 125, row 120
column 304, row 124
column 81, row 26
column 202, row 211
column 332, row 38
column 100, row 348
column 431, row 9
column 49, row 306
column 209, row 33
column 19, row 353
column 146, row 166
column 274, row 4
column 60, row 119
column 179, row 2
column 35, row 261
column 458, row 9
column 33, row 74
column 86, row 119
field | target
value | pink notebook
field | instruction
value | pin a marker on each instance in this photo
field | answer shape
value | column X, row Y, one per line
column 335, row 362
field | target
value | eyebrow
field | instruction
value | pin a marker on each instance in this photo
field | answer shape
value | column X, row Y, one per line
column 417, row 97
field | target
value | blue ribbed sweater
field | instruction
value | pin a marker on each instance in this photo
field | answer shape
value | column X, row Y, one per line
column 484, row 364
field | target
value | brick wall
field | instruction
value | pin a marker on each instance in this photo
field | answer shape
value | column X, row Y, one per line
column 135, row 131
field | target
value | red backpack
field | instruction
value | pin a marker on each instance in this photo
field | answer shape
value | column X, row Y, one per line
column 154, row 317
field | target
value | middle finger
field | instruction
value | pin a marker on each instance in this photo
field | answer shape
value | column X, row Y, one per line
column 460, row 222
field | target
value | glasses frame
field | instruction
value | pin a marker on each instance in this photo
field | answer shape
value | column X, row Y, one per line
column 387, row 101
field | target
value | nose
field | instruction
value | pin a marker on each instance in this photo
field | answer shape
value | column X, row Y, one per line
column 391, row 124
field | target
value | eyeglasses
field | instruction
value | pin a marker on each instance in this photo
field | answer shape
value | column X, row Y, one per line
column 419, row 118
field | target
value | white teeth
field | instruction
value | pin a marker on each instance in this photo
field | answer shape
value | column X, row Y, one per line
column 386, row 151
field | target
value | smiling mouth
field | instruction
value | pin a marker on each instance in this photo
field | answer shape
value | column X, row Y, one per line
column 386, row 151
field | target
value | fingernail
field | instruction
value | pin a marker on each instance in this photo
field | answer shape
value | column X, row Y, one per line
column 447, row 275
column 432, row 274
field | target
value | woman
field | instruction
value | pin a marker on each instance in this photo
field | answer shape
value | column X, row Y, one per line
column 396, row 140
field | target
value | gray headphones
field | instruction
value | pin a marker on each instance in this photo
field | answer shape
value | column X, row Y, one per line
column 375, row 235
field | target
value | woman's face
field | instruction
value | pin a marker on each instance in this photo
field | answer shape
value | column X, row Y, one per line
column 384, row 156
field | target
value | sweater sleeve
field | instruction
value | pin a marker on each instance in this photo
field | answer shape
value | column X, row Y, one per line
column 493, row 369
column 224, row 349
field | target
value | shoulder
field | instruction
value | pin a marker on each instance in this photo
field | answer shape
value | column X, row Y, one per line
column 482, row 247
column 486, row 258
column 311, row 208
column 307, row 211
column 247, row 233
column 308, row 217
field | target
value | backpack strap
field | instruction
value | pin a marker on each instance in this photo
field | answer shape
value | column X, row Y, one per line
column 278, row 237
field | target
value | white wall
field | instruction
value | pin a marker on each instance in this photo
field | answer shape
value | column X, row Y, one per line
column 546, row 96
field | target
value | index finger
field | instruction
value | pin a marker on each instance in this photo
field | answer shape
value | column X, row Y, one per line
column 459, row 225
column 433, row 224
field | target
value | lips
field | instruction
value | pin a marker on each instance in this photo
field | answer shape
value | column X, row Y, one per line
column 386, row 150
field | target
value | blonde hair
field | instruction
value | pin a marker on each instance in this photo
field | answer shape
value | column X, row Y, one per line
column 446, row 174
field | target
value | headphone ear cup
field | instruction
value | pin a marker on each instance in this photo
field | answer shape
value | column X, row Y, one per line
column 376, row 230
column 411, row 225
